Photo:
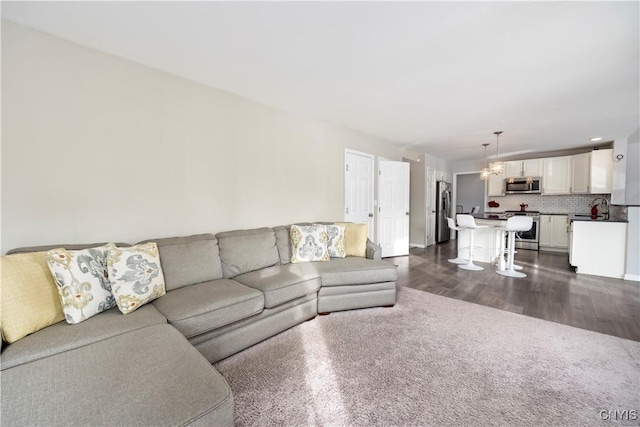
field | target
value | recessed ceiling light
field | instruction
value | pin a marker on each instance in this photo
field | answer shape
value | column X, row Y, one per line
column 595, row 139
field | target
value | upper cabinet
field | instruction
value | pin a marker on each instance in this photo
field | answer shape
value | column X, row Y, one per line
column 580, row 172
column 592, row 173
column 532, row 167
column 601, row 176
column 556, row 177
column 513, row 169
column 586, row 173
column 523, row 168
column 495, row 185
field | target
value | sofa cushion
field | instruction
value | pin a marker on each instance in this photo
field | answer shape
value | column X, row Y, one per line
column 283, row 283
column 355, row 271
column 151, row 376
column 283, row 243
column 82, row 281
column 203, row 307
column 242, row 251
column 63, row 337
column 189, row 260
column 28, row 295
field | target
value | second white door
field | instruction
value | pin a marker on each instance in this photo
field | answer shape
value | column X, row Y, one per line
column 393, row 198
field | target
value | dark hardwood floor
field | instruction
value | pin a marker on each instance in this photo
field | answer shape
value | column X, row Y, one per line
column 551, row 291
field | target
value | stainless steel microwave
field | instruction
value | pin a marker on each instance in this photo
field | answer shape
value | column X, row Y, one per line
column 528, row 185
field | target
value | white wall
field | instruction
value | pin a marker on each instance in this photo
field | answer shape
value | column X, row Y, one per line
column 97, row 148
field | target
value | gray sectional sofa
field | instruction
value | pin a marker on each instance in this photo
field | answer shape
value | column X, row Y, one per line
column 224, row 294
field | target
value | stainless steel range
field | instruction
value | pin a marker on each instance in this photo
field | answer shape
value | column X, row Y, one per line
column 527, row 239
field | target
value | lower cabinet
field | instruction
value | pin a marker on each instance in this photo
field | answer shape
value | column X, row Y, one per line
column 554, row 233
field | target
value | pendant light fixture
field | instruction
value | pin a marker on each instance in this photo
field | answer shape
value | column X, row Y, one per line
column 497, row 167
column 485, row 173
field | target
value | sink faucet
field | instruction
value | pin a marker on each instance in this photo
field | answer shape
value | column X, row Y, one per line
column 605, row 206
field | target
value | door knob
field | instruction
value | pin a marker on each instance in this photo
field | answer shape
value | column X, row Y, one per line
column 370, row 215
column 406, row 213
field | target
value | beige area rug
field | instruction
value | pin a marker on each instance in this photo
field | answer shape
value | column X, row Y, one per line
column 432, row 360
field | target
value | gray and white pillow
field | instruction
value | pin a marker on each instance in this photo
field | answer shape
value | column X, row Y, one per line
column 82, row 281
column 308, row 243
column 136, row 275
column 335, row 240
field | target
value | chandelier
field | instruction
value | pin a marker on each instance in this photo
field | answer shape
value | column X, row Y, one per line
column 497, row 167
column 485, row 173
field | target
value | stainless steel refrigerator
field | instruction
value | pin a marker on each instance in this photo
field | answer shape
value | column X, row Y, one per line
column 443, row 210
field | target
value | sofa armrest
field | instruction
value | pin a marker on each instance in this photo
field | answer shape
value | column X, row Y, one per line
column 373, row 251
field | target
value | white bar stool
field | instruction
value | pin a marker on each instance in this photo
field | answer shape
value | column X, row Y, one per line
column 457, row 259
column 514, row 224
column 469, row 223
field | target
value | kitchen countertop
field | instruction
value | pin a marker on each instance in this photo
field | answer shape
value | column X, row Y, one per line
column 491, row 216
column 573, row 217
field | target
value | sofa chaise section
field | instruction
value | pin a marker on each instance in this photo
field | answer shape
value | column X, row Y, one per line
column 347, row 283
column 150, row 376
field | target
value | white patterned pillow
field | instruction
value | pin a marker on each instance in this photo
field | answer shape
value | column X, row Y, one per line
column 136, row 275
column 335, row 240
column 82, row 281
column 308, row 243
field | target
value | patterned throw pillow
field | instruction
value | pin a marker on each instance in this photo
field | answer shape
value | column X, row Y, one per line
column 308, row 243
column 82, row 281
column 335, row 240
column 136, row 275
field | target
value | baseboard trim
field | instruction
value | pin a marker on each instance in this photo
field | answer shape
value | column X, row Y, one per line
column 632, row 277
column 416, row 245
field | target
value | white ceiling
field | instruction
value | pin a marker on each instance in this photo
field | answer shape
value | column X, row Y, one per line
column 434, row 77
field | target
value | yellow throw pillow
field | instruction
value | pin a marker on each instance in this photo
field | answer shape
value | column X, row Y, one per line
column 28, row 295
column 355, row 238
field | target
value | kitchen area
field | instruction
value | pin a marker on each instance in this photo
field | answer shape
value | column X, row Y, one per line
column 569, row 199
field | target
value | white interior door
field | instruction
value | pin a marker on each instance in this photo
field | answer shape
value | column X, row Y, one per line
column 431, row 206
column 358, row 188
column 393, row 199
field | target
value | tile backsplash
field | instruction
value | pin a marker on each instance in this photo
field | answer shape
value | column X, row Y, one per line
column 569, row 203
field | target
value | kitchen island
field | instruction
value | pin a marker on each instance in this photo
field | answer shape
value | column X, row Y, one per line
column 486, row 240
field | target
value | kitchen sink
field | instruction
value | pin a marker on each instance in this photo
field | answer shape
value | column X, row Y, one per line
column 586, row 215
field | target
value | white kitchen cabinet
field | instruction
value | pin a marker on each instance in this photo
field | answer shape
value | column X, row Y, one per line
column 495, row 185
column 601, row 176
column 513, row 169
column 592, row 173
column 556, row 178
column 554, row 232
column 523, row 168
column 599, row 248
column 580, row 173
column 532, row 167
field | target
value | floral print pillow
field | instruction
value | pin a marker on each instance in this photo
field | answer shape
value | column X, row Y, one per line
column 309, row 243
column 136, row 275
column 82, row 281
